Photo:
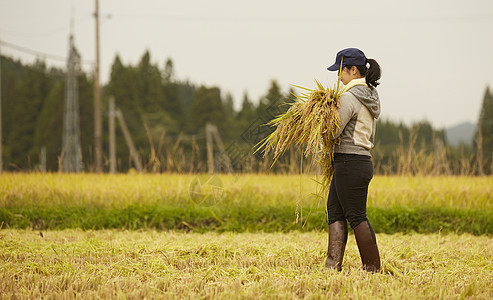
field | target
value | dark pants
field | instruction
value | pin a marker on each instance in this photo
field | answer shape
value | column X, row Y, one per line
column 349, row 188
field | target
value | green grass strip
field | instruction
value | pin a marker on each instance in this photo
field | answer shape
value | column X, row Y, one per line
column 239, row 218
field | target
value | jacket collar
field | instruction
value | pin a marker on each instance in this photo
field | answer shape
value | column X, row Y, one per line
column 354, row 82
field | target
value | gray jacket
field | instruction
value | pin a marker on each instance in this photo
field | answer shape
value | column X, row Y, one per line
column 359, row 110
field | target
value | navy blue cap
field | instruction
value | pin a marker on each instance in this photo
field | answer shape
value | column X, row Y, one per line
column 350, row 57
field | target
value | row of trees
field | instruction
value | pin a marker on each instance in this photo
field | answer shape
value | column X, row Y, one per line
column 167, row 117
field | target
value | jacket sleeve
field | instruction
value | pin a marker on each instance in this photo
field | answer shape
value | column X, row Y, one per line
column 346, row 112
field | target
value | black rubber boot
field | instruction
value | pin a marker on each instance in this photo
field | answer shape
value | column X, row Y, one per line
column 337, row 244
column 367, row 245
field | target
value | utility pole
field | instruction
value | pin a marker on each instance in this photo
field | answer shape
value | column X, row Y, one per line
column 1, row 160
column 112, row 135
column 98, row 124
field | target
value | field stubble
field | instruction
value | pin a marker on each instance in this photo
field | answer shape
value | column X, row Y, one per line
column 151, row 264
column 41, row 263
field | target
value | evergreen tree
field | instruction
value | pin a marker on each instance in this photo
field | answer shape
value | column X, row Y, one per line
column 229, row 108
column 155, row 115
column 13, row 73
column 485, row 128
column 123, row 86
column 145, row 96
column 86, row 119
column 172, row 105
column 25, row 111
column 149, row 86
column 425, row 136
column 48, row 130
column 186, row 96
column 247, row 114
column 270, row 104
column 169, row 72
column 207, row 107
column 230, row 122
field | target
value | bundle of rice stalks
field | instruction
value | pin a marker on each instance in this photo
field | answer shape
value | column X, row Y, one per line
column 312, row 121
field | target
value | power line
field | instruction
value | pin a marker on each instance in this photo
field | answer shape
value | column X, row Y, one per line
column 294, row 19
column 33, row 52
column 37, row 53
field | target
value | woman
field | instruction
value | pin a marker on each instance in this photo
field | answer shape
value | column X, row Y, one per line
column 353, row 168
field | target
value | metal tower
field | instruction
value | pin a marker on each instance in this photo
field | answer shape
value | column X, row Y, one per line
column 71, row 156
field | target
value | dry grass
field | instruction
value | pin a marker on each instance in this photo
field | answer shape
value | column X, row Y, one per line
column 310, row 122
column 256, row 189
column 465, row 192
column 148, row 264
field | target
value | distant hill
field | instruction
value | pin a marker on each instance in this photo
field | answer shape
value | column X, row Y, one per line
column 460, row 133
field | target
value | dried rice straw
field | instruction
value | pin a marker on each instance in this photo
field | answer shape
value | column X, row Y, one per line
column 312, row 121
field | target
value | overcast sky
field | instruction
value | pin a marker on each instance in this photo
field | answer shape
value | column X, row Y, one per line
column 436, row 56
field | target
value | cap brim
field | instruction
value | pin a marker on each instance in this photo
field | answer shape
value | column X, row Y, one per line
column 334, row 67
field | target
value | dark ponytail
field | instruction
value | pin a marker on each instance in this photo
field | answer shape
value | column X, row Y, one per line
column 373, row 73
